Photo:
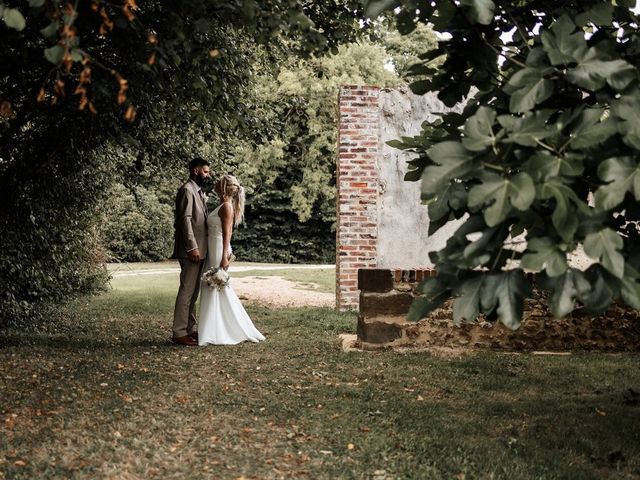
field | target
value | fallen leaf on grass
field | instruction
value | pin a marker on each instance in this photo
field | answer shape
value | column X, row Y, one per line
column 20, row 463
column 601, row 412
column 350, row 446
column 10, row 422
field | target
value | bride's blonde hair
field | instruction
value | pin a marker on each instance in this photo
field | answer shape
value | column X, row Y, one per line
column 230, row 187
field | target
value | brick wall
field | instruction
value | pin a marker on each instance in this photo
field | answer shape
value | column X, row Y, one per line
column 358, row 183
column 385, row 298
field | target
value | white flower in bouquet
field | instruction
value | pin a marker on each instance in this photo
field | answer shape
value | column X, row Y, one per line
column 216, row 278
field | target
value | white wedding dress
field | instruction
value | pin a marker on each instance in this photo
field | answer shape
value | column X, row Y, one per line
column 223, row 319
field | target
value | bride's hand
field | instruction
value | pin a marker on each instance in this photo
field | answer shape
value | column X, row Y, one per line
column 224, row 264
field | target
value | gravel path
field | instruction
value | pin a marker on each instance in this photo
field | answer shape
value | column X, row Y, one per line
column 271, row 290
column 275, row 291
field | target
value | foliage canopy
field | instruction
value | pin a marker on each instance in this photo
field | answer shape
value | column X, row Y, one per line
column 542, row 162
column 97, row 93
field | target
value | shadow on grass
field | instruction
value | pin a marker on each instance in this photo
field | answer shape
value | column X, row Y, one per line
column 81, row 342
column 79, row 396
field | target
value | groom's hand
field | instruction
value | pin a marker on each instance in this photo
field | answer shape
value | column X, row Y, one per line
column 194, row 255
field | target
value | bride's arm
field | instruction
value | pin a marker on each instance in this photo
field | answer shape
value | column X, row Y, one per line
column 226, row 217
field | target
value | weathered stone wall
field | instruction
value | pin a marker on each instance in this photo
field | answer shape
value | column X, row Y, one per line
column 403, row 222
column 380, row 219
column 385, row 295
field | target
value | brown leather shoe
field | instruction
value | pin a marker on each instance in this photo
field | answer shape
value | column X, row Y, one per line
column 194, row 335
column 186, row 340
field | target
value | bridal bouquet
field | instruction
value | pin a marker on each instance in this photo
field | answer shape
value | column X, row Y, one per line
column 216, row 278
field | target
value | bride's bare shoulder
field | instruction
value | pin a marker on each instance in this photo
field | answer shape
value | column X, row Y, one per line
column 225, row 209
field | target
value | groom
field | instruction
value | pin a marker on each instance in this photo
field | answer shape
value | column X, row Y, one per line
column 190, row 249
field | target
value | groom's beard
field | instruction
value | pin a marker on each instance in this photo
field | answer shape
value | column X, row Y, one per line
column 204, row 182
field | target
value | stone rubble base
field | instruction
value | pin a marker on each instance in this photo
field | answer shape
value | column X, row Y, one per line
column 386, row 294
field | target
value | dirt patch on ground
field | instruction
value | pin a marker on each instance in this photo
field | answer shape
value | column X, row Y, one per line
column 275, row 291
column 618, row 329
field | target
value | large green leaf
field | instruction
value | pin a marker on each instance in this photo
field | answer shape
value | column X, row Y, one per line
column 563, row 44
column 543, row 253
column 478, row 130
column 605, row 246
column 529, row 129
column 434, row 292
column 564, row 215
column 507, row 291
column 592, row 128
column 444, row 15
column 500, row 194
column 54, row 54
column 466, row 306
column 623, row 175
column 453, row 162
column 14, row 19
column 480, row 11
column 478, row 252
column 626, row 110
column 528, row 87
column 420, row 87
column 406, row 21
column 544, row 165
column 593, row 72
column 600, row 14
column 452, row 196
column 601, row 290
column 566, row 289
column 50, row 30
column 374, row 8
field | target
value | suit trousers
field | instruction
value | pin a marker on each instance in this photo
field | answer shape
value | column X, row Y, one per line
column 184, row 315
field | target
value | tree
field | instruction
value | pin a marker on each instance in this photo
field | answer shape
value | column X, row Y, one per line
column 552, row 94
column 97, row 93
column 294, row 169
column 405, row 49
column 291, row 212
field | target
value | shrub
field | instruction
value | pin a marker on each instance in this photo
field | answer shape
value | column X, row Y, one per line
column 136, row 226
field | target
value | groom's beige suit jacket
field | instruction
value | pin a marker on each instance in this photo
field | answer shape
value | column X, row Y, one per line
column 190, row 221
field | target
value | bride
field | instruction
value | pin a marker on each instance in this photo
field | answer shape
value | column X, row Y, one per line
column 223, row 319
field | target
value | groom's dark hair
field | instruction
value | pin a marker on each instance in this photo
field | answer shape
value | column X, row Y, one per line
column 198, row 162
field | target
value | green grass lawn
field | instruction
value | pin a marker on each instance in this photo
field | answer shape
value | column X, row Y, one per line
column 321, row 279
column 101, row 393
